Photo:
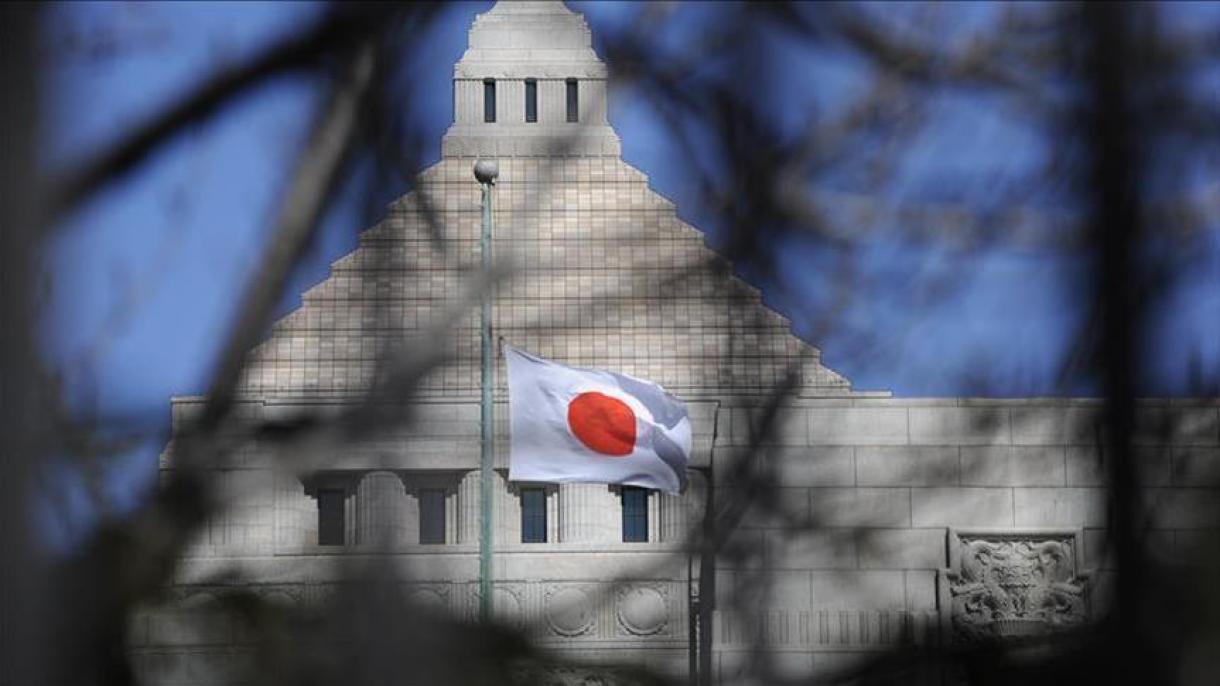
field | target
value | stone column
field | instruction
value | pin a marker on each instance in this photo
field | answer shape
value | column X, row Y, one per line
column 383, row 511
column 681, row 513
column 511, row 94
column 589, row 513
column 296, row 514
column 572, row 512
column 252, row 511
column 551, row 102
column 468, row 508
column 507, row 523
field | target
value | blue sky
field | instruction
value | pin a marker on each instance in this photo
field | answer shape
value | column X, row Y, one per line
column 144, row 280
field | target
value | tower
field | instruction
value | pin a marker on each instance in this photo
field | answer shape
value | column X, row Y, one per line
column 602, row 271
column 530, row 69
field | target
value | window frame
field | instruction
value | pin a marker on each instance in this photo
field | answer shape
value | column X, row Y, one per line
column 531, row 101
column 489, row 101
column 634, row 506
column 531, row 497
column 424, row 496
column 572, row 100
column 332, row 517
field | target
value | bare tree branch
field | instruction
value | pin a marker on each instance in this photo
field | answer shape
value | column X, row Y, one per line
column 337, row 31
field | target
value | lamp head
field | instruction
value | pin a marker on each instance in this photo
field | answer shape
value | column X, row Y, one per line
column 486, row 171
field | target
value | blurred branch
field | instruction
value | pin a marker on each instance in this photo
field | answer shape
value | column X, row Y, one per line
column 1116, row 76
column 24, row 591
column 132, row 562
column 317, row 173
column 338, row 30
column 835, row 184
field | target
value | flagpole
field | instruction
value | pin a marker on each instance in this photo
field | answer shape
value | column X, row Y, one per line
column 485, row 172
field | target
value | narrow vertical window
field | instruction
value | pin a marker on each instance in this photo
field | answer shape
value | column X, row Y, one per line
column 331, row 517
column 432, row 515
column 533, row 515
column 635, row 514
column 531, row 100
column 573, row 100
column 489, row 100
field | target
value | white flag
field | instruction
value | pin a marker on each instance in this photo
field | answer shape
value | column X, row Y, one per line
column 589, row 425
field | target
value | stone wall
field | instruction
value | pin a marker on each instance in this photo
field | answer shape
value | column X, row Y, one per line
column 880, row 522
column 880, row 500
column 858, row 547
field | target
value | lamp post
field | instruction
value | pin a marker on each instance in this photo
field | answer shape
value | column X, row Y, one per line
column 485, row 172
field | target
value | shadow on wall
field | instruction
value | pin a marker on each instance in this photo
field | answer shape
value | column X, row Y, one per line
column 316, row 518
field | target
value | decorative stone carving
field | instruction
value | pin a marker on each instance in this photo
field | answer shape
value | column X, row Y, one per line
column 509, row 605
column 428, row 599
column 189, row 596
column 279, row 597
column 564, row 675
column 569, row 612
column 642, row 611
column 506, row 606
column 1012, row 583
column 317, row 594
column 826, row 629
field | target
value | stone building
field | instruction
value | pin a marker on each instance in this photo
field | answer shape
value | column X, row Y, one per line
column 924, row 510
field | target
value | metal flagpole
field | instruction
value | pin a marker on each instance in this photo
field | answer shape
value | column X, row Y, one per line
column 486, row 171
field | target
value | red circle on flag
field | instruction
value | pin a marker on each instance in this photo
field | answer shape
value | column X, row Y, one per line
column 604, row 424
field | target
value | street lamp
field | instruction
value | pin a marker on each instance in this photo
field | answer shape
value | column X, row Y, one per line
column 485, row 172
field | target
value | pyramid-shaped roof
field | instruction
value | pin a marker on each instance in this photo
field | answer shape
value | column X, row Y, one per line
column 604, row 273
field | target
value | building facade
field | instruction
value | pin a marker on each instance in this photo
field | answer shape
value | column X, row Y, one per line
column 894, row 521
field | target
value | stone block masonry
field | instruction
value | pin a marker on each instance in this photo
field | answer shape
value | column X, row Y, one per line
column 890, row 479
column 854, row 545
column 845, row 556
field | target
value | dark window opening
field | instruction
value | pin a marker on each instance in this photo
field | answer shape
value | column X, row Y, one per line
column 533, row 515
column 489, row 100
column 635, row 514
column 432, row 515
column 331, row 516
column 531, row 100
column 573, row 100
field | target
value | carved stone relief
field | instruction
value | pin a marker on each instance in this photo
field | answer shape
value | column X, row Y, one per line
column 569, row 612
column 649, row 611
column 280, row 597
column 1012, row 583
column 564, row 675
column 825, row 630
column 507, row 607
column 642, row 610
column 428, row 598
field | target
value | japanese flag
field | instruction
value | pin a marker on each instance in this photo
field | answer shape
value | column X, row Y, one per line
column 588, row 425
